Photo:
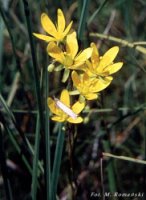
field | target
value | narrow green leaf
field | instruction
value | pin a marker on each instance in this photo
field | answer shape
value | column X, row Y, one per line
column 36, row 160
column 36, row 80
column 16, row 146
column 34, row 62
column 5, row 108
column 33, row 153
column 47, row 138
column 83, row 18
column 96, row 12
column 110, row 169
column 57, row 162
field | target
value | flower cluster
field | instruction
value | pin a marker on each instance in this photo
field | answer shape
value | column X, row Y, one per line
column 90, row 72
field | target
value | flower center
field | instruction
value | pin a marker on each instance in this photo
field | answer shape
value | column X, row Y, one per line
column 68, row 60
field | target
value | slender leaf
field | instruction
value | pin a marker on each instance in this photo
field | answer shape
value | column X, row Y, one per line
column 110, row 169
column 57, row 162
column 83, row 18
column 36, row 161
column 47, row 138
column 34, row 61
column 97, row 12
column 16, row 146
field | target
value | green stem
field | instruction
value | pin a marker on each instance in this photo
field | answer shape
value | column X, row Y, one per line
column 57, row 162
column 129, row 159
column 120, row 41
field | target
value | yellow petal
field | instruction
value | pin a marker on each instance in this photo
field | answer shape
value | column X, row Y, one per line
column 52, row 106
column 58, row 118
column 95, row 54
column 84, row 55
column 75, row 121
column 83, row 67
column 68, row 61
column 77, row 66
column 91, row 96
column 107, row 79
column 67, row 29
column 48, row 25
column 100, row 85
column 55, row 52
column 44, row 37
column 89, row 65
column 75, row 78
column 86, row 77
column 65, row 98
column 78, row 107
column 60, row 21
column 114, row 68
column 109, row 56
column 72, row 44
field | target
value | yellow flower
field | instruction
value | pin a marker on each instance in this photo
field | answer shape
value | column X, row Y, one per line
column 56, row 32
column 103, row 66
column 63, row 111
column 70, row 58
column 89, row 87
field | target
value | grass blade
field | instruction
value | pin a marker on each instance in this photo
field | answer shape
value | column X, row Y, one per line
column 11, row 118
column 13, row 125
column 110, row 169
column 15, row 144
column 35, row 161
column 57, row 162
column 11, row 37
column 34, row 61
column 36, row 82
column 96, row 12
column 83, row 18
column 47, row 138
column 3, row 106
